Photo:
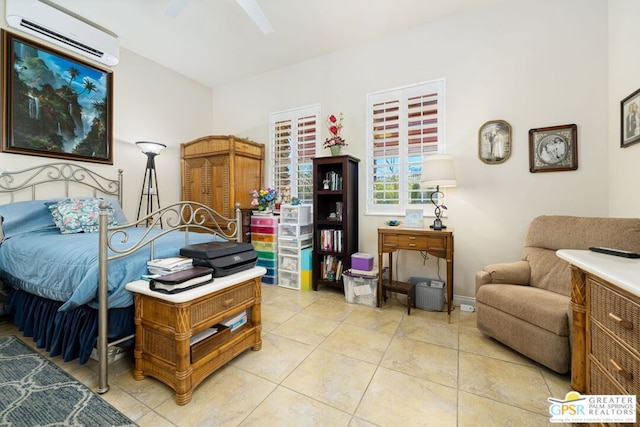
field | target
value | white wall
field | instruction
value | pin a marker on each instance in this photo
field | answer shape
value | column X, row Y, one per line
column 151, row 103
column 624, row 79
column 533, row 63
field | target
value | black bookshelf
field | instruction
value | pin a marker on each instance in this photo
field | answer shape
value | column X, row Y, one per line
column 335, row 218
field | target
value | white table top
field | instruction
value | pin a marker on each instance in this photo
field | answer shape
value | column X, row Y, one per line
column 619, row 271
column 142, row 286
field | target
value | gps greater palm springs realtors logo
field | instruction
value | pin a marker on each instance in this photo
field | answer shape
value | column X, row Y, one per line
column 576, row 408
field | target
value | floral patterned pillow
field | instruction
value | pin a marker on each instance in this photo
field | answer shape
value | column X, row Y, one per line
column 78, row 216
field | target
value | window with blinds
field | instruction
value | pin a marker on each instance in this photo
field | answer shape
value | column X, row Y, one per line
column 294, row 141
column 403, row 125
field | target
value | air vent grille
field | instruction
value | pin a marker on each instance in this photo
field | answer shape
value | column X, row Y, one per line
column 62, row 39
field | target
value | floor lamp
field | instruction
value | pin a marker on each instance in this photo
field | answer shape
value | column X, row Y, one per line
column 150, row 181
column 438, row 171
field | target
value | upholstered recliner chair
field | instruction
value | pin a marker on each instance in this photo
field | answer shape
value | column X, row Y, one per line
column 525, row 304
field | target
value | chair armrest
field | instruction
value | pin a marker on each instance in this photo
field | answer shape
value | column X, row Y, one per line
column 512, row 273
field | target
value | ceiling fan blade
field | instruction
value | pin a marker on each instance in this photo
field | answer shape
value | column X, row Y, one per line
column 174, row 7
column 253, row 9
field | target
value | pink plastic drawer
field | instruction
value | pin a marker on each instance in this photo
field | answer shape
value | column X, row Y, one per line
column 264, row 220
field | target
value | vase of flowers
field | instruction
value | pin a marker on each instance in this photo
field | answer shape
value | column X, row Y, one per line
column 263, row 199
column 335, row 142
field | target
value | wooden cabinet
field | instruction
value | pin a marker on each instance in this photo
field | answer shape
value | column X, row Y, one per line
column 220, row 170
column 335, row 218
column 166, row 323
column 605, row 301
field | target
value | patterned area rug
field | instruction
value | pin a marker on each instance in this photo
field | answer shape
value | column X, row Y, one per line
column 34, row 391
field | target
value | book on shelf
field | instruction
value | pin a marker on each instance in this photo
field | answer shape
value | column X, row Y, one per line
column 182, row 280
column 236, row 321
column 331, row 268
column 202, row 335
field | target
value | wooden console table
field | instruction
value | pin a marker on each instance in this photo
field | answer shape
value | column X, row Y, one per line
column 605, row 300
column 165, row 324
column 438, row 243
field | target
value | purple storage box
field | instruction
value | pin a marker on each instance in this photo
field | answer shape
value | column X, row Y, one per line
column 362, row 261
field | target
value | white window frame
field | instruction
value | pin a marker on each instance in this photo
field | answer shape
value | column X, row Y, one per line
column 402, row 94
column 294, row 115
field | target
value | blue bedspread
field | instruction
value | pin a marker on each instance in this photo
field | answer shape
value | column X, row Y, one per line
column 64, row 267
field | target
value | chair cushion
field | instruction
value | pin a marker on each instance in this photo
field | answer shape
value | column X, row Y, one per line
column 546, row 309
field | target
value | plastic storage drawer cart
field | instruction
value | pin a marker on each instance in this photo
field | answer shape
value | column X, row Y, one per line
column 295, row 237
column 264, row 237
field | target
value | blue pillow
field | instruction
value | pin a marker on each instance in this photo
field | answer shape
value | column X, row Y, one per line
column 25, row 217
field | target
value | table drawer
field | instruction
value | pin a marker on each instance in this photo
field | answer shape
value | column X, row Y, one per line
column 411, row 242
column 615, row 312
column 210, row 307
column 621, row 364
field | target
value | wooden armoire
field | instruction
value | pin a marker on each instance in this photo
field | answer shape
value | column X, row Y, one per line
column 220, row 170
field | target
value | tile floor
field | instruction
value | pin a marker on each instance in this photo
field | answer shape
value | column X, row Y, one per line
column 328, row 363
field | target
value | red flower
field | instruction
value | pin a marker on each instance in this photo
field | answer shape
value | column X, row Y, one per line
column 333, row 130
column 332, row 119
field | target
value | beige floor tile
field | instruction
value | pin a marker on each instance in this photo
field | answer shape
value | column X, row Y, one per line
column 152, row 419
column 476, row 411
column 385, row 319
column 330, row 309
column 224, row 399
column 431, row 327
column 331, row 378
column 504, row 382
column 474, row 341
column 396, row 399
column 306, row 329
column 131, row 407
column 423, row 360
column 274, row 316
column 149, row 391
column 559, row 384
column 285, row 407
column 360, row 343
column 278, row 357
column 316, row 346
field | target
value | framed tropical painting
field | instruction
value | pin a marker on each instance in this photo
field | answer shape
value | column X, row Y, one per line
column 55, row 105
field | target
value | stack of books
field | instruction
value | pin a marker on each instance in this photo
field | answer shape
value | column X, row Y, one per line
column 162, row 266
column 182, row 280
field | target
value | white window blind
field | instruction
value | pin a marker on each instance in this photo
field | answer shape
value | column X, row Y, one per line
column 404, row 125
column 294, row 142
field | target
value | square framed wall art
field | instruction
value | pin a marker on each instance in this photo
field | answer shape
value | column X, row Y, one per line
column 553, row 149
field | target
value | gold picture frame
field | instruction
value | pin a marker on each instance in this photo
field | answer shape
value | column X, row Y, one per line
column 494, row 142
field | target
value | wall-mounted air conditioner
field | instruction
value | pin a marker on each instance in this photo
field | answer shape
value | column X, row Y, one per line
column 49, row 23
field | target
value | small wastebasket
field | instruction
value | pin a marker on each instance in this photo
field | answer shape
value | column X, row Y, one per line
column 429, row 293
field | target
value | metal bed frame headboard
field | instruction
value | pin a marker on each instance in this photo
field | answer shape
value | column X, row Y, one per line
column 29, row 181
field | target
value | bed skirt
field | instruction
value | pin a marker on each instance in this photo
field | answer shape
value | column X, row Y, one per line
column 68, row 334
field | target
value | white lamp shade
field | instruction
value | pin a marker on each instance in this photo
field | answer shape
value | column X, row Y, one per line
column 438, row 170
column 150, row 147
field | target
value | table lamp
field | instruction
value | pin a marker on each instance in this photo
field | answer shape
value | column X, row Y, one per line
column 438, row 171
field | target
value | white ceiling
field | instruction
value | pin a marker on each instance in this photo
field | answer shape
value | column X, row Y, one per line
column 214, row 41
